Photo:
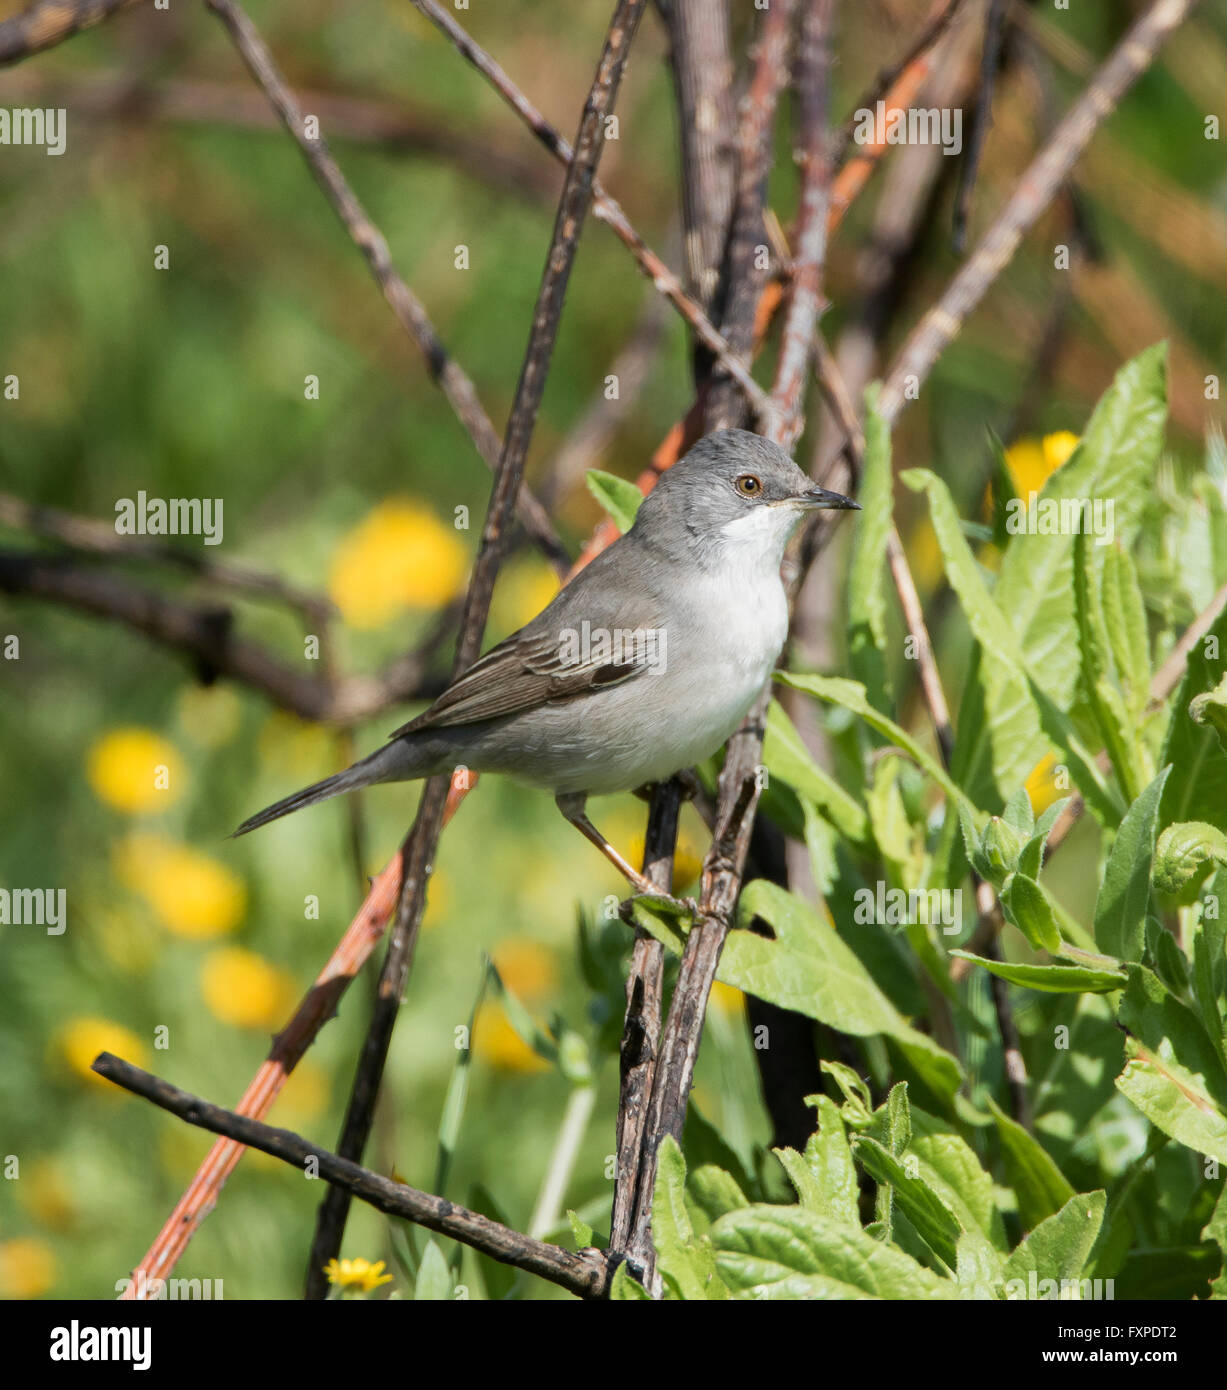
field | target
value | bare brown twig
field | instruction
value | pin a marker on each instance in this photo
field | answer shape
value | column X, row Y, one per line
column 419, row 849
column 50, row 22
column 584, row 1274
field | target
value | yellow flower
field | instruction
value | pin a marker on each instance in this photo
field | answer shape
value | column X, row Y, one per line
column 360, row 1275
column 527, row 968
column 687, row 862
column 242, row 988
column 728, row 999
column 401, row 556
column 80, row 1040
column 1040, row 785
column 524, row 589
column 46, row 1195
column 27, row 1268
column 193, row 895
column 497, row 1042
column 1032, row 461
column 1057, row 449
column 135, row 770
column 209, row 715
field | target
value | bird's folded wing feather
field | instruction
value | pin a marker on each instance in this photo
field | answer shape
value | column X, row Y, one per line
column 532, row 668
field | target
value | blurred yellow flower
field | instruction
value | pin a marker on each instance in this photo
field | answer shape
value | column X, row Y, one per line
column 80, row 1040
column 1041, row 786
column 401, row 556
column 27, row 1268
column 524, row 589
column 728, row 999
column 46, row 1195
column 209, row 715
column 1033, row 461
column 243, row 988
column 495, row 1041
column 356, row 1274
column 687, row 862
column 527, row 968
column 135, row 770
column 193, row 895
column 305, row 1093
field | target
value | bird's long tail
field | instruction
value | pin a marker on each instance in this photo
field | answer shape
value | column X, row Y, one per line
column 385, row 764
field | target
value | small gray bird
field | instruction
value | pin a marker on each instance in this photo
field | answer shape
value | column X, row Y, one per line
column 646, row 662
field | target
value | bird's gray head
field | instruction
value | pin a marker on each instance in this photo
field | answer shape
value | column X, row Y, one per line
column 733, row 489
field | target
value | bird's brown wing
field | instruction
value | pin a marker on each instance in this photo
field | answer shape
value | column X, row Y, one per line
column 528, row 669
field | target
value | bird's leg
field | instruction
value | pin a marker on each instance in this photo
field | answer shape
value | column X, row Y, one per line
column 572, row 805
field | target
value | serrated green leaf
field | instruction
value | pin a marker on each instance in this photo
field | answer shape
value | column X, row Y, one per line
column 1172, row 1099
column 1183, row 851
column 683, row 1260
column 1060, row 1246
column 625, row 1288
column 1124, row 617
column 1120, row 909
column 807, row 968
column 769, row 1252
column 1199, row 792
column 715, row 1191
column 619, row 498
column 934, row 1223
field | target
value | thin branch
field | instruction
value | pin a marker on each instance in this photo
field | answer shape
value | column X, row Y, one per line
column 990, row 62
column 744, row 276
column 1034, row 191
column 50, row 22
column 604, row 208
column 408, row 310
column 584, row 1274
column 739, row 783
column 419, row 849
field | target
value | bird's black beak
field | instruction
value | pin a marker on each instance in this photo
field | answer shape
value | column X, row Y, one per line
column 820, row 499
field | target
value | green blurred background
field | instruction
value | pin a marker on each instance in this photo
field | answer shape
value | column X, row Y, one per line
column 189, row 382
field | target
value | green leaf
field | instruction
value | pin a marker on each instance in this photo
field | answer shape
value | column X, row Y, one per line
column 434, row 1281
column 1053, row 979
column 807, row 968
column 1216, row 1230
column 1116, row 458
column 829, row 1176
column 920, row 1204
column 1199, row 792
column 1120, row 909
column 582, row 1234
column 1124, row 618
column 1210, row 711
column 1039, row 1185
column 787, row 758
column 1183, row 851
column 850, row 695
column 1172, row 1099
column 1027, row 906
column 1060, row 1246
column 866, row 567
column 1107, row 707
column 625, row 1288
column 1167, row 1026
column 715, row 1191
column 684, row 1260
column 619, row 498
column 790, row 1253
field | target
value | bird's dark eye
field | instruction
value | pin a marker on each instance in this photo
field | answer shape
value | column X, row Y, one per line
column 748, row 485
